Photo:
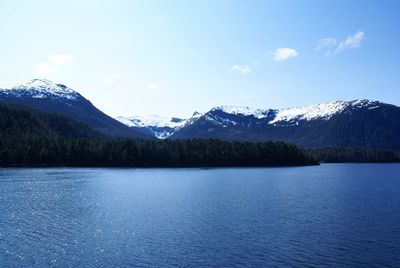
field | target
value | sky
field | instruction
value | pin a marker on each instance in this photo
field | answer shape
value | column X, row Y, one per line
column 175, row 57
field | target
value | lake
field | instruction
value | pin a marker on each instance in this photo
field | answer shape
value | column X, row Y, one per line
column 328, row 215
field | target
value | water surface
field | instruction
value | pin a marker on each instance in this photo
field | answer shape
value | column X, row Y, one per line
column 328, row 215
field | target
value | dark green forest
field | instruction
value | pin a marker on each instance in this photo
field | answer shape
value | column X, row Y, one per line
column 32, row 138
column 354, row 155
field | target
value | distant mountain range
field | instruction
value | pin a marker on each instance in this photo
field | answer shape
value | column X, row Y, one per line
column 158, row 126
column 357, row 123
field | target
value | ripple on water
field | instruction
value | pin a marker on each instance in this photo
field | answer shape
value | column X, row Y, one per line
column 331, row 215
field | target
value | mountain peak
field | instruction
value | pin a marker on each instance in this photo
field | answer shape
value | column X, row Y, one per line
column 41, row 88
column 363, row 103
column 39, row 83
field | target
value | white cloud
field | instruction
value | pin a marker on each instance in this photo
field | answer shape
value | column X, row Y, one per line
column 111, row 79
column 43, row 69
column 326, row 43
column 331, row 46
column 59, row 58
column 284, row 53
column 350, row 42
column 243, row 69
column 152, row 86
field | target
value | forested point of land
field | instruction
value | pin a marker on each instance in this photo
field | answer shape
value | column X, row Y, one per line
column 30, row 137
column 33, row 138
column 354, row 155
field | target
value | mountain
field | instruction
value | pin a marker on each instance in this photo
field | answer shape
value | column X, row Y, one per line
column 51, row 97
column 155, row 125
column 17, row 122
column 29, row 137
column 357, row 123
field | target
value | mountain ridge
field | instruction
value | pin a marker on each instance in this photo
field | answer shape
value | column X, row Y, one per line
column 355, row 123
column 48, row 96
column 33, row 138
column 359, row 122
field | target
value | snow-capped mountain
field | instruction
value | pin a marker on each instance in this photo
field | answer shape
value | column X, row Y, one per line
column 233, row 115
column 361, row 123
column 286, row 116
column 158, row 126
column 357, row 123
column 45, row 95
column 42, row 88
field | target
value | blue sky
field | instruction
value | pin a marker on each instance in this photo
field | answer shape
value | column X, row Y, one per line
column 175, row 57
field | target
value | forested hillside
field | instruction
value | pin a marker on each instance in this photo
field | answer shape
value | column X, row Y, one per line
column 33, row 138
column 47, row 96
column 19, row 122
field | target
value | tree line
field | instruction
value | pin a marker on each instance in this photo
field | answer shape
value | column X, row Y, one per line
column 354, row 155
column 43, row 151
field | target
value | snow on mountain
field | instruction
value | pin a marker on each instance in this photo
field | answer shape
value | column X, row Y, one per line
column 322, row 111
column 161, row 127
column 151, row 121
column 41, row 88
column 312, row 112
column 242, row 110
